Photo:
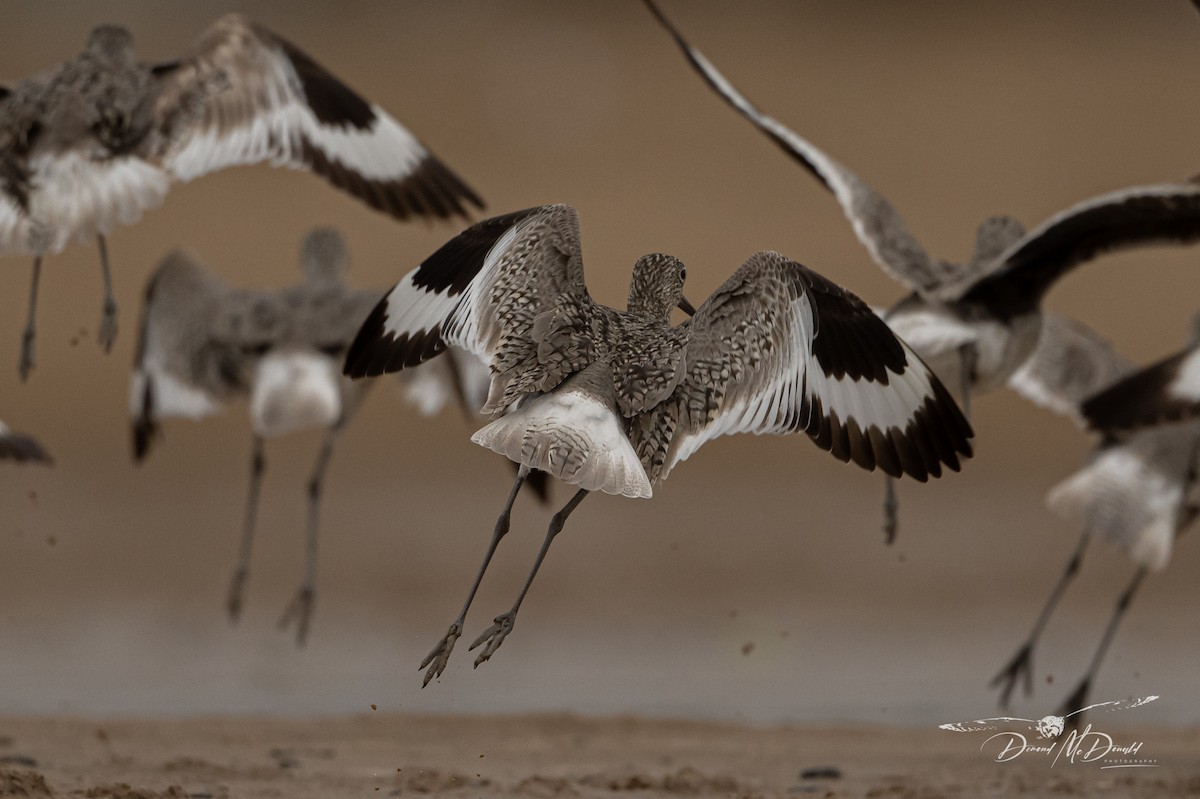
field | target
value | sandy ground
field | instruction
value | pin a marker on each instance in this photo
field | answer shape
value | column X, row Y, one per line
column 549, row 756
column 754, row 589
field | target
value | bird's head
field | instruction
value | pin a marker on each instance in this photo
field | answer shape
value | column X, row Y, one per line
column 657, row 287
column 111, row 42
column 323, row 256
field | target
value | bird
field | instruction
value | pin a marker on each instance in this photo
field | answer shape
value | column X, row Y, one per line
column 974, row 323
column 21, row 448
column 99, row 139
column 612, row 401
column 203, row 344
column 1138, row 489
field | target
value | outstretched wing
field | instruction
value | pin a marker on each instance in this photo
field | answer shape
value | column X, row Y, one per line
column 778, row 349
column 483, row 291
column 1166, row 391
column 247, row 95
column 21, row 448
column 1070, row 363
column 1141, row 215
column 876, row 222
column 197, row 342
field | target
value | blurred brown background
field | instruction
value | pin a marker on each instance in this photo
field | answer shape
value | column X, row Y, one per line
column 112, row 578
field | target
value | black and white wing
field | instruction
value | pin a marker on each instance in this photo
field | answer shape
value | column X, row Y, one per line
column 876, row 221
column 21, row 448
column 247, row 95
column 779, row 349
column 1142, row 215
column 1166, row 391
column 1070, row 363
column 197, row 345
column 482, row 292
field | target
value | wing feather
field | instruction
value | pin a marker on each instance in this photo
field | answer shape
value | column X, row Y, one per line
column 1165, row 391
column 1070, row 363
column 876, row 222
column 777, row 349
column 1131, row 217
column 21, row 448
column 496, row 290
column 247, row 95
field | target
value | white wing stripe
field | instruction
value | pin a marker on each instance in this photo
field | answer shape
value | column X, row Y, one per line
column 278, row 134
column 1186, row 385
column 412, row 310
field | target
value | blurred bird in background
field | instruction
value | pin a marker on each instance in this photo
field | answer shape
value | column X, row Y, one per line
column 974, row 323
column 1138, row 489
column 99, row 139
column 204, row 343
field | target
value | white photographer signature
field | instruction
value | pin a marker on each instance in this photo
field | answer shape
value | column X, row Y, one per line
column 1086, row 746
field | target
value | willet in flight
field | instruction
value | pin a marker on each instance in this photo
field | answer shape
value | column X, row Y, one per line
column 611, row 401
column 973, row 323
column 99, row 139
column 204, row 343
column 21, row 448
column 1138, row 489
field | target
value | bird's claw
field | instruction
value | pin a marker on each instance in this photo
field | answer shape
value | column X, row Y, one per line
column 436, row 660
column 300, row 609
column 494, row 636
column 106, row 334
column 233, row 602
column 1020, row 668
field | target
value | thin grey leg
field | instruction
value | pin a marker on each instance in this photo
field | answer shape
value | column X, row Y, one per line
column 106, row 334
column 27, row 360
column 495, row 635
column 1020, row 667
column 302, row 606
column 258, row 464
column 1079, row 697
column 891, row 507
column 436, row 660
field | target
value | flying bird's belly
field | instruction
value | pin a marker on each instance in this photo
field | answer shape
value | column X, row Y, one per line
column 939, row 336
column 573, row 435
column 295, row 391
column 76, row 197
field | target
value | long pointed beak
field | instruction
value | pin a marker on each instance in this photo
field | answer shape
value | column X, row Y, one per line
column 686, row 306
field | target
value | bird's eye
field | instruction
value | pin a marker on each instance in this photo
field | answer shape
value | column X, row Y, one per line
column 683, row 274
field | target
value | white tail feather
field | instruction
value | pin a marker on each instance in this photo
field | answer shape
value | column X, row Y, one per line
column 574, row 437
column 1118, row 498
